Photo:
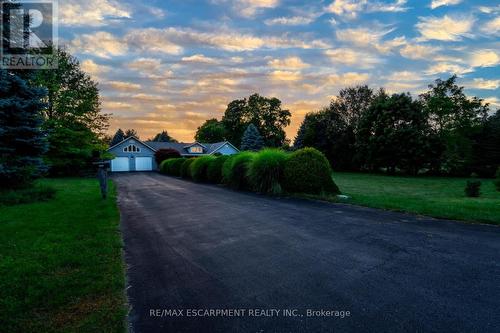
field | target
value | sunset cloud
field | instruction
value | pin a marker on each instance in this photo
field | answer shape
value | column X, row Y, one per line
column 444, row 28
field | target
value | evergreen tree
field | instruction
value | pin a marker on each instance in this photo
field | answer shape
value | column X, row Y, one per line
column 22, row 142
column 252, row 140
column 163, row 137
column 131, row 132
column 118, row 137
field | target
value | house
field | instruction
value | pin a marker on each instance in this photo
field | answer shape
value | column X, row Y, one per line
column 133, row 154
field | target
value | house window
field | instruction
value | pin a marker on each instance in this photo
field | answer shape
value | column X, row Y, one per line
column 196, row 150
column 132, row 149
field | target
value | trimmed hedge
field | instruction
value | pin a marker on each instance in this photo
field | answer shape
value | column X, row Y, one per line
column 266, row 171
column 199, row 168
column 185, row 168
column 214, row 169
column 165, row 166
column 175, row 167
column 235, row 170
column 308, row 171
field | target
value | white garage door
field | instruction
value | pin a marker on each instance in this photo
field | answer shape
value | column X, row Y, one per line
column 143, row 163
column 120, row 164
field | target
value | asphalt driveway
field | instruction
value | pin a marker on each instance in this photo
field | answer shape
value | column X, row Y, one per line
column 191, row 246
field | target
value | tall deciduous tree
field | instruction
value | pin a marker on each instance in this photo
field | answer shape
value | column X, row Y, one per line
column 211, row 131
column 456, row 119
column 118, row 137
column 74, row 122
column 131, row 132
column 265, row 113
column 252, row 140
column 22, row 142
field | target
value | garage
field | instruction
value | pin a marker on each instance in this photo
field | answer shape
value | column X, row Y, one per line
column 120, row 164
column 143, row 163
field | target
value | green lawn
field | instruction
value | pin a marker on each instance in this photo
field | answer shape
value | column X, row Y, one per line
column 434, row 196
column 61, row 265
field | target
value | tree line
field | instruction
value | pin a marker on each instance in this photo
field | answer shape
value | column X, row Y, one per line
column 441, row 132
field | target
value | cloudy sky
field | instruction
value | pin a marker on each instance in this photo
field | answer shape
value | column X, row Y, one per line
column 172, row 64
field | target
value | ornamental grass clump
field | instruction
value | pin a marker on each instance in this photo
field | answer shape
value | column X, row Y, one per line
column 308, row 171
column 214, row 169
column 185, row 168
column 199, row 168
column 266, row 171
column 235, row 170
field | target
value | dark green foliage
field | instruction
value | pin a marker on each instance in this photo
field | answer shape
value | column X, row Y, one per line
column 394, row 134
column 27, row 195
column 308, row 171
column 497, row 180
column 214, row 170
column 487, row 147
column 473, row 188
column 266, row 171
column 265, row 113
column 199, row 168
column 163, row 137
column 166, row 166
column 211, row 131
column 235, row 173
column 226, row 168
column 73, row 119
column 118, row 137
column 22, row 142
column 186, row 169
column 252, row 140
column 165, row 154
column 175, row 167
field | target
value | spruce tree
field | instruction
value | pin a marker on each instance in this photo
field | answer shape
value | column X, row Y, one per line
column 252, row 140
column 22, row 142
column 118, row 137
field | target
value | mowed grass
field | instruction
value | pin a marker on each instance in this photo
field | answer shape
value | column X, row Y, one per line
column 61, row 267
column 433, row 196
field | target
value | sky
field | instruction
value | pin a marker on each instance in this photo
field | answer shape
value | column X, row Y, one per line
column 170, row 65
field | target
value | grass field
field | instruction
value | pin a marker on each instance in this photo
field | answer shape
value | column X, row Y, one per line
column 433, row 196
column 61, row 267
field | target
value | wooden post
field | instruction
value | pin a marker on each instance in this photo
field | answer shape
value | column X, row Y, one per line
column 102, row 174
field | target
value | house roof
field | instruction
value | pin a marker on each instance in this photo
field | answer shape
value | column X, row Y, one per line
column 182, row 147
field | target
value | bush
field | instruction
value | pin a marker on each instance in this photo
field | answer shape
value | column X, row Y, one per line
column 266, row 171
column 176, row 165
column 308, row 171
column 497, row 180
column 27, row 195
column 214, row 170
column 473, row 188
column 165, row 154
column 185, row 168
column 166, row 166
column 235, row 172
column 199, row 168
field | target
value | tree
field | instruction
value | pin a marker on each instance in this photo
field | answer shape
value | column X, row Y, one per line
column 165, row 154
column 22, row 142
column 394, row 134
column 265, row 113
column 131, row 132
column 73, row 119
column 455, row 119
column 487, row 147
column 118, row 137
column 163, row 137
column 211, row 131
column 252, row 140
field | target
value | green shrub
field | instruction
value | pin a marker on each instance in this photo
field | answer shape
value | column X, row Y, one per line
column 166, row 166
column 235, row 172
column 214, row 170
column 185, row 168
column 226, row 169
column 27, row 195
column 175, row 167
column 473, row 188
column 199, row 168
column 308, row 171
column 497, row 180
column 266, row 171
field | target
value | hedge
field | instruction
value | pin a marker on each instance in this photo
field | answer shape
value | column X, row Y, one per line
column 165, row 166
column 308, row 171
column 235, row 170
column 185, row 168
column 199, row 168
column 175, row 167
column 214, row 169
column 266, row 171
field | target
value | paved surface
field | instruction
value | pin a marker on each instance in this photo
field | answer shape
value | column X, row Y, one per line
column 191, row 246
